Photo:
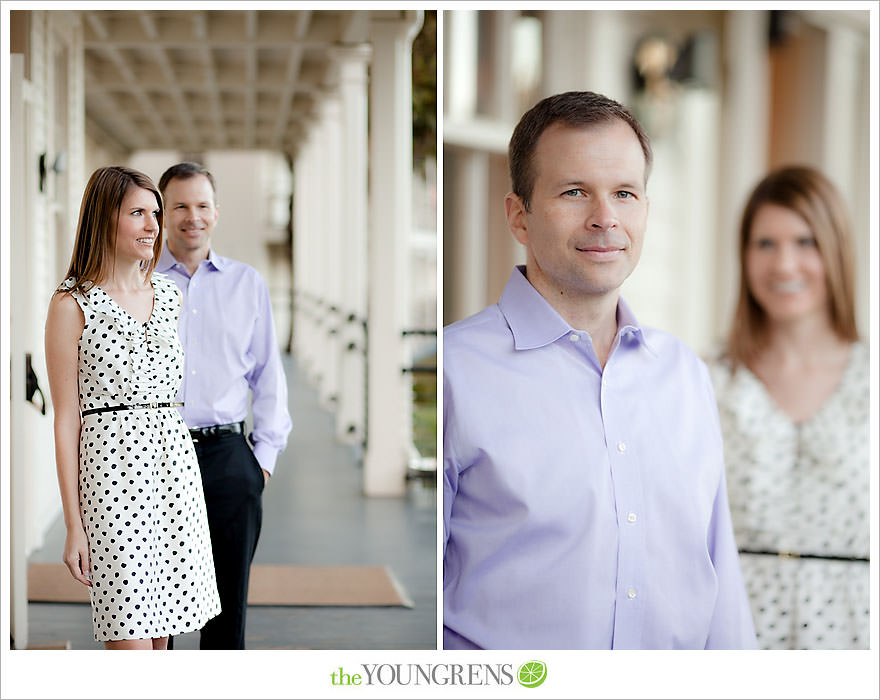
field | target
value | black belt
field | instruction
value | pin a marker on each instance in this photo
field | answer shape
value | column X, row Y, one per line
column 153, row 404
column 215, row 431
column 797, row 555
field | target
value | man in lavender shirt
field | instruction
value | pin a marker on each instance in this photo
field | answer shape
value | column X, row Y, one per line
column 584, row 499
column 230, row 357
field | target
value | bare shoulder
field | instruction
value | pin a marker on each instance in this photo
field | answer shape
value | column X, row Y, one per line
column 64, row 303
column 65, row 318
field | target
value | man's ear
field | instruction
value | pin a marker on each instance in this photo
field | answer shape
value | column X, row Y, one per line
column 516, row 218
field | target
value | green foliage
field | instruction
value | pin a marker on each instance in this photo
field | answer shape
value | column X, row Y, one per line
column 424, row 69
column 424, row 410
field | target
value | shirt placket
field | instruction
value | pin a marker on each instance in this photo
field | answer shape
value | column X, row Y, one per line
column 620, row 440
column 186, row 331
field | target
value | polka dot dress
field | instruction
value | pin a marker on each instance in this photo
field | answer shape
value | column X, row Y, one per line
column 800, row 488
column 141, row 495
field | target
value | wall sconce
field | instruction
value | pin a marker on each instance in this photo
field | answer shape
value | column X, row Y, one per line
column 59, row 166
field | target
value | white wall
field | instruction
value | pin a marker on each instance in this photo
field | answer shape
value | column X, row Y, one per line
column 47, row 118
column 250, row 185
column 52, row 123
column 152, row 163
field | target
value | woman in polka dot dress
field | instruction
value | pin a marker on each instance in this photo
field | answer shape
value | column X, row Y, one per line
column 792, row 391
column 137, row 533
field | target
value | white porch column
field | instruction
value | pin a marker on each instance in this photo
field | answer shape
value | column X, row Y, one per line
column 318, row 248
column 316, row 244
column 350, row 414
column 470, row 247
column 311, row 258
column 845, row 154
column 299, row 252
column 19, row 344
column 585, row 51
column 844, row 55
column 329, row 233
column 557, row 62
column 389, row 402
column 744, row 136
column 304, row 252
column 504, row 107
column 460, row 56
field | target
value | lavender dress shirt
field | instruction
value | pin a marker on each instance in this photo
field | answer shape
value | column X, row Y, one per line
column 582, row 508
column 230, row 351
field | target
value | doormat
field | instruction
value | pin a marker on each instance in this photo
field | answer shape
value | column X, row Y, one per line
column 270, row 585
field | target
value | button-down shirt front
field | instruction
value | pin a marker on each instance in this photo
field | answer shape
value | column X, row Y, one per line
column 230, row 351
column 584, row 508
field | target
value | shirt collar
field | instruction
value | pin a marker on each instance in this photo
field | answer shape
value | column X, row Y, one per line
column 628, row 326
column 167, row 260
column 534, row 323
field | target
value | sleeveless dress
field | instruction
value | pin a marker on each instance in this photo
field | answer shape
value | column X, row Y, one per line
column 141, row 499
column 801, row 488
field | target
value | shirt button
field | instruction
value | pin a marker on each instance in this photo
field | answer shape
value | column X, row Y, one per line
column 195, row 311
column 192, row 371
column 631, row 593
column 621, row 447
column 631, row 518
column 604, row 381
column 574, row 337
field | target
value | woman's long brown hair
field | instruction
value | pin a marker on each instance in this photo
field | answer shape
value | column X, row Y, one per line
column 93, row 250
column 812, row 196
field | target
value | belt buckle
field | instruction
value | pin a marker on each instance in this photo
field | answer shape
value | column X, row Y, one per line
column 154, row 404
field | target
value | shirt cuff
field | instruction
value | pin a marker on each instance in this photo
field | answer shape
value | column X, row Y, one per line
column 266, row 456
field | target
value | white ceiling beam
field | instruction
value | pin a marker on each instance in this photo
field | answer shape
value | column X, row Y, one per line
column 98, row 27
column 250, row 60
column 200, row 28
column 142, row 43
column 126, row 72
column 159, row 84
column 291, row 82
column 211, row 82
column 171, row 86
column 101, row 30
column 180, row 104
column 200, row 33
column 105, row 137
column 103, row 110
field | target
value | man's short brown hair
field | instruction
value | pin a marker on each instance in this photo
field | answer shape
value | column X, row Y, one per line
column 184, row 171
column 572, row 109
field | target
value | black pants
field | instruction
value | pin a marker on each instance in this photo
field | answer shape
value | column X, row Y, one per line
column 233, row 484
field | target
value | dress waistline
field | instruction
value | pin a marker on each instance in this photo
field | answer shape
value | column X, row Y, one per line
column 801, row 555
column 152, row 404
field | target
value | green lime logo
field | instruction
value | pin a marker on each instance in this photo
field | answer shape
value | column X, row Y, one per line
column 531, row 674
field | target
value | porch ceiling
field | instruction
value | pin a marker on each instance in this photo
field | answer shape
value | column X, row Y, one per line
column 194, row 80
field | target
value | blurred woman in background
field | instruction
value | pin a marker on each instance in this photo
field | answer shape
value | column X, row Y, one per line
column 792, row 391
